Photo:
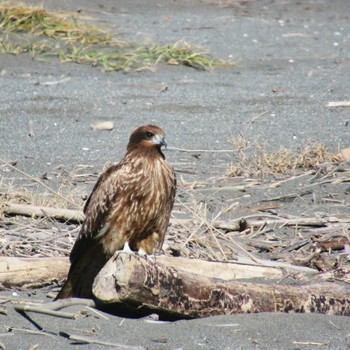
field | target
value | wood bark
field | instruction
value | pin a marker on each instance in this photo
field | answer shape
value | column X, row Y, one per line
column 26, row 272
column 136, row 281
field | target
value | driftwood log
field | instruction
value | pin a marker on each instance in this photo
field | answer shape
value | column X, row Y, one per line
column 143, row 283
column 24, row 272
column 28, row 272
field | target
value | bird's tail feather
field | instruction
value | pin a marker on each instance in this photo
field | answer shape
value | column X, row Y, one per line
column 82, row 274
column 66, row 291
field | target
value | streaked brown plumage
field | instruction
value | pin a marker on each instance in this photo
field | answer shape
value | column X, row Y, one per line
column 129, row 206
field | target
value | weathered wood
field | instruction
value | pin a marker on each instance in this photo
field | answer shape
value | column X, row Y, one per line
column 140, row 282
column 236, row 224
column 22, row 272
column 38, row 211
column 242, row 268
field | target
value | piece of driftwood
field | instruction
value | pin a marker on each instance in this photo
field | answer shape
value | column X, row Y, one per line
column 142, row 283
column 342, row 156
column 66, row 215
column 235, row 225
column 53, row 308
column 22, row 273
column 89, row 340
column 19, row 272
column 338, row 104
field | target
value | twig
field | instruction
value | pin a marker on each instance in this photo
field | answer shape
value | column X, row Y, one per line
column 288, row 196
column 55, row 82
column 254, row 118
column 45, row 311
column 38, row 181
column 256, row 260
column 267, row 207
column 201, row 150
column 278, row 183
column 309, row 343
column 334, row 325
column 88, row 340
column 228, row 188
column 338, row 104
column 62, row 303
column 267, row 246
column 51, row 308
column 99, row 314
column 11, row 329
column 234, row 225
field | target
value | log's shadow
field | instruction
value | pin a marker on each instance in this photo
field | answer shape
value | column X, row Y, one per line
column 135, row 312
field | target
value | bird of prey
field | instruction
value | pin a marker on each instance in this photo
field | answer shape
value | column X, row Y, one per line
column 129, row 208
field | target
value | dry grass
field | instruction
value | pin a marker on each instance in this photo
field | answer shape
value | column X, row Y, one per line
column 255, row 160
column 204, row 233
column 23, row 188
column 41, row 33
column 37, row 21
column 34, row 194
column 220, row 232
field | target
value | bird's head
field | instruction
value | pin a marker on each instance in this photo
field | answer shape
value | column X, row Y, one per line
column 147, row 137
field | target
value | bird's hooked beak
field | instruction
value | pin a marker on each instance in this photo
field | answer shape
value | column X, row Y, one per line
column 159, row 140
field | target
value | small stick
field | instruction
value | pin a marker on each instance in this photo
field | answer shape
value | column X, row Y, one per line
column 45, row 311
column 256, row 260
column 309, row 343
column 27, row 331
column 233, row 226
column 254, row 118
column 63, row 303
column 55, row 82
column 201, row 150
column 338, row 104
column 227, row 188
column 278, row 183
column 88, row 340
column 51, row 308
column 288, row 196
column 334, row 325
column 99, row 314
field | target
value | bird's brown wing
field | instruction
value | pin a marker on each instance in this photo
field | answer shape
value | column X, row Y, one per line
column 88, row 256
column 169, row 177
column 107, row 192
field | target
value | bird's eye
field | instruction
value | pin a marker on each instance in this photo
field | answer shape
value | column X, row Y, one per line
column 149, row 134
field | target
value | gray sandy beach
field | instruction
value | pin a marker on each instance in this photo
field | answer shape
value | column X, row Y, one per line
column 290, row 59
